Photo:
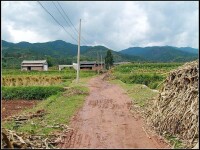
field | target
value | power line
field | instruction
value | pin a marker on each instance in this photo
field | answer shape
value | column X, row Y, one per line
column 70, row 21
column 63, row 17
column 67, row 16
column 56, row 20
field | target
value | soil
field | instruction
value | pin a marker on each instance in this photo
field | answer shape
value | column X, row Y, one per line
column 13, row 107
column 105, row 121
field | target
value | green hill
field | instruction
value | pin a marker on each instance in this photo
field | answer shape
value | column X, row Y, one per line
column 163, row 53
column 58, row 52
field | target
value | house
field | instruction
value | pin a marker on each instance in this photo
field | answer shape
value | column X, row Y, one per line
column 89, row 65
column 40, row 65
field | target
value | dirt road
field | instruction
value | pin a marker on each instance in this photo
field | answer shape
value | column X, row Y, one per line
column 105, row 121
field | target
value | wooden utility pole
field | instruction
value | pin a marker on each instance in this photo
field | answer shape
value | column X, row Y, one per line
column 78, row 56
column 98, row 61
column 101, row 61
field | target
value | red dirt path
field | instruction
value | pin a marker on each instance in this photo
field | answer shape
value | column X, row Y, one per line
column 12, row 107
column 105, row 121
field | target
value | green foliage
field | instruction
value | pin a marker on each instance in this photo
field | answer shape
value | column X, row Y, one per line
column 67, row 73
column 139, row 94
column 163, row 53
column 29, row 92
column 109, row 59
column 60, row 108
column 150, row 74
column 59, row 53
column 150, row 80
column 50, row 61
column 177, row 144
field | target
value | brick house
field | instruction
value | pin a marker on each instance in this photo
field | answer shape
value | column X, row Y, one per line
column 40, row 65
column 89, row 65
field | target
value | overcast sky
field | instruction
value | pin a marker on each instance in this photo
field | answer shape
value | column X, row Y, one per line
column 116, row 25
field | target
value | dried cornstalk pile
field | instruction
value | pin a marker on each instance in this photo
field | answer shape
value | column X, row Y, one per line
column 175, row 110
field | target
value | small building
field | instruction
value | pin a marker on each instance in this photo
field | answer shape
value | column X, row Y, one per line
column 40, row 65
column 60, row 67
column 89, row 65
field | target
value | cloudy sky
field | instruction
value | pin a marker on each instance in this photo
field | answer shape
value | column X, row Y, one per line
column 116, row 25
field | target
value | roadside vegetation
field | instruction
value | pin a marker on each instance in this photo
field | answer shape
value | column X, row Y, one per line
column 141, row 81
column 138, row 92
column 149, row 74
column 29, row 92
column 58, row 108
column 59, row 103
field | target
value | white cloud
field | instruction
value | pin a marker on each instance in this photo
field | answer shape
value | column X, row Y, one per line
column 117, row 25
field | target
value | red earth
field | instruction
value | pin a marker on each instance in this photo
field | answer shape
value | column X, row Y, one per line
column 105, row 121
column 13, row 107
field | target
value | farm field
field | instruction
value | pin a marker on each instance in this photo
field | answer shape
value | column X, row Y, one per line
column 58, row 101
column 53, row 94
column 14, row 107
column 22, row 90
column 149, row 74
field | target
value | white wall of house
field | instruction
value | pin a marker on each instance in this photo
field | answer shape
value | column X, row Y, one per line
column 75, row 66
column 46, row 67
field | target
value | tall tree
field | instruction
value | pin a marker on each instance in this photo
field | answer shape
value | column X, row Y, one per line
column 50, row 61
column 109, row 59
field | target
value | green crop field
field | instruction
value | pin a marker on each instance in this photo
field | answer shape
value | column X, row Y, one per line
column 59, row 95
column 28, row 85
column 150, row 74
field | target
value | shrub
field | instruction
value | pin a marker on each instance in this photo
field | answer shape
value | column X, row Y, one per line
column 29, row 92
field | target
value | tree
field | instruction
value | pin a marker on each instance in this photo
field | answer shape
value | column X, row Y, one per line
column 49, row 61
column 109, row 59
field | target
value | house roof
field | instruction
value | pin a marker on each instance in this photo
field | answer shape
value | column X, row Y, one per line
column 88, row 62
column 32, row 65
column 86, row 66
column 34, row 61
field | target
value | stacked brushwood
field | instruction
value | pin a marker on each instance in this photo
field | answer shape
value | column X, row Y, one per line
column 11, row 139
column 175, row 110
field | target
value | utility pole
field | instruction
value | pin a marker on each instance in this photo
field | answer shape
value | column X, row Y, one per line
column 101, row 61
column 98, row 62
column 78, row 56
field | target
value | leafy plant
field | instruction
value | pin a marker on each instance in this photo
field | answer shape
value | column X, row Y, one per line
column 29, row 92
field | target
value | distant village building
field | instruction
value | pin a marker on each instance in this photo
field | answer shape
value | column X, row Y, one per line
column 60, row 67
column 89, row 65
column 40, row 65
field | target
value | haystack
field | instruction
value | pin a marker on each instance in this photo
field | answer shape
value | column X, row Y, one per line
column 175, row 111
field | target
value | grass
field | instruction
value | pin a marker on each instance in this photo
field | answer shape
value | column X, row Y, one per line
column 139, row 93
column 177, row 144
column 60, row 108
column 29, row 92
column 150, row 74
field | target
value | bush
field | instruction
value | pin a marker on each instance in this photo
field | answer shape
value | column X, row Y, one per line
column 29, row 92
column 150, row 80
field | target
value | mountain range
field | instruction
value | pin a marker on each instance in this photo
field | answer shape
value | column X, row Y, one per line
column 163, row 53
column 61, row 52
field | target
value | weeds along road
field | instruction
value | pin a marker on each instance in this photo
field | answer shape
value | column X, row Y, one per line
column 105, row 121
